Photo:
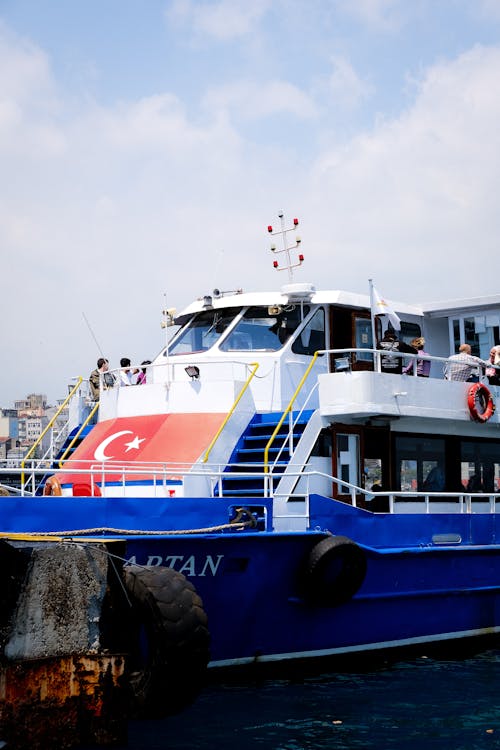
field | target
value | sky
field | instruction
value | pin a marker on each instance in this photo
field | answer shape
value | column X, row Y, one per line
column 145, row 146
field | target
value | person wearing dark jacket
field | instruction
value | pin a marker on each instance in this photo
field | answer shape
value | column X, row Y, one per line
column 392, row 348
column 95, row 378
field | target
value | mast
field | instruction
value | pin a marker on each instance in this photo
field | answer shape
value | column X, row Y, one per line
column 289, row 265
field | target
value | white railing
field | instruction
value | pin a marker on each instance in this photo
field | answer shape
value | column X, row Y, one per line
column 160, row 476
column 174, row 368
column 379, row 353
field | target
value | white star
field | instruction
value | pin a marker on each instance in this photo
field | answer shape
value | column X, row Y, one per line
column 135, row 443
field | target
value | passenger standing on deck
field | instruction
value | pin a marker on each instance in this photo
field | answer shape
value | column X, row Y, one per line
column 463, row 366
column 108, row 379
column 423, row 365
column 493, row 369
column 390, row 361
column 126, row 374
column 141, row 378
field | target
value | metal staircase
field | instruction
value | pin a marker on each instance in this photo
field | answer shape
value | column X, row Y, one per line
column 244, row 474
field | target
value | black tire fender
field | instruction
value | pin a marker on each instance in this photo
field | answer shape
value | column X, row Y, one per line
column 336, row 569
column 169, row 641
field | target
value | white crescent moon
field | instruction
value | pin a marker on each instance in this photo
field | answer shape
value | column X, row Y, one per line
column 99, row 454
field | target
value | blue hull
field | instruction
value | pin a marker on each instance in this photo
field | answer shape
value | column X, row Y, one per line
column 428, row 577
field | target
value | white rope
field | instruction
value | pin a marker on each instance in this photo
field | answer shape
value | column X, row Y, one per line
column 132, row 532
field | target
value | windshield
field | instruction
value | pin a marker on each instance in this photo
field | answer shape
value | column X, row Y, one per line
column 264, row 328
column 203, row 331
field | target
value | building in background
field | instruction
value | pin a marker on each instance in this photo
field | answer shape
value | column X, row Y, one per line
column 23, row 425
column 9, row 423
column 7, row 445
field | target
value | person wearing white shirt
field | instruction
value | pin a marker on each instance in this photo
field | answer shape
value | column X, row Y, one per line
column 127, row 376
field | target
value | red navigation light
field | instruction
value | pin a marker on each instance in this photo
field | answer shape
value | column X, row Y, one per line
column 295, row 221
column 269, row 229
column 275, row 264
column 301, row 257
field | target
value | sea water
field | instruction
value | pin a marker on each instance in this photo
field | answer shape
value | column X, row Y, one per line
column 413, row 704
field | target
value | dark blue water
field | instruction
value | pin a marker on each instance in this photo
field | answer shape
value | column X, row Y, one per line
column 420, row 703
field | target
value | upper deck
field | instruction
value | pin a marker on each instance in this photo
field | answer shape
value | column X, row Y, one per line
column 221, row 340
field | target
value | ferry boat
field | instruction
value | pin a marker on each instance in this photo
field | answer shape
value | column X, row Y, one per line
column 296, row 498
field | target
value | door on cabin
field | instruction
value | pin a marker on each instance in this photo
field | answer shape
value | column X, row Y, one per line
column 351, row 329
column 360, row 458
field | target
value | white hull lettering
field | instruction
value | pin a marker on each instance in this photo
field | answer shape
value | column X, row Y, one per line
column 188, row 567
column 191, row 565
column 210, row 563
column 154, row 560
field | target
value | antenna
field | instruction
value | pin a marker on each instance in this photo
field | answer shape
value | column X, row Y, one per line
column 168, row 319
column 92, row 334
column 288, row 266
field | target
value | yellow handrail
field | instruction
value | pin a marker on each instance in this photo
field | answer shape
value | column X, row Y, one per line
column 75, row 437
column 287, row 411
column 50, row 424
column 255, row 366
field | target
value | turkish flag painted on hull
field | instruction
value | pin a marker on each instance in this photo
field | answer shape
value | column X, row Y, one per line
column 155, row 439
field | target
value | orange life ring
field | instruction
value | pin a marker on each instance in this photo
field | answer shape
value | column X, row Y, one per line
column 480, row 402
column 52, row 486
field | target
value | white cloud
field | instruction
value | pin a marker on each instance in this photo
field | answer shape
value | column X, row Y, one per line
column 223, row 20
column 27, row 98
column 24, row 70
column 417, row 196
column 384, row 15
column 251, row 100
column 345, row 86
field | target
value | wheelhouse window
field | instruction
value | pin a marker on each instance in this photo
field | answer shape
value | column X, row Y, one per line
column 312, row 336
column 264, row 328
column 203, row 331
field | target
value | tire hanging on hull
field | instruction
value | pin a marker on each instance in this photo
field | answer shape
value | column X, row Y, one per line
column 169, row 641
column 336, row 569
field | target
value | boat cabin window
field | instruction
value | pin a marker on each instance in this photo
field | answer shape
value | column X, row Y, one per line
column 363, row 338
column 409, row 331
column 373, row 474
column 264, row 328
column 481, row 332
column 203, row 330
column 420, row 463
column 312, row 336
column 347, row 460
column 479, row 467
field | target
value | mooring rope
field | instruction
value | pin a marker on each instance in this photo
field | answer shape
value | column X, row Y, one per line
column 42, row 535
